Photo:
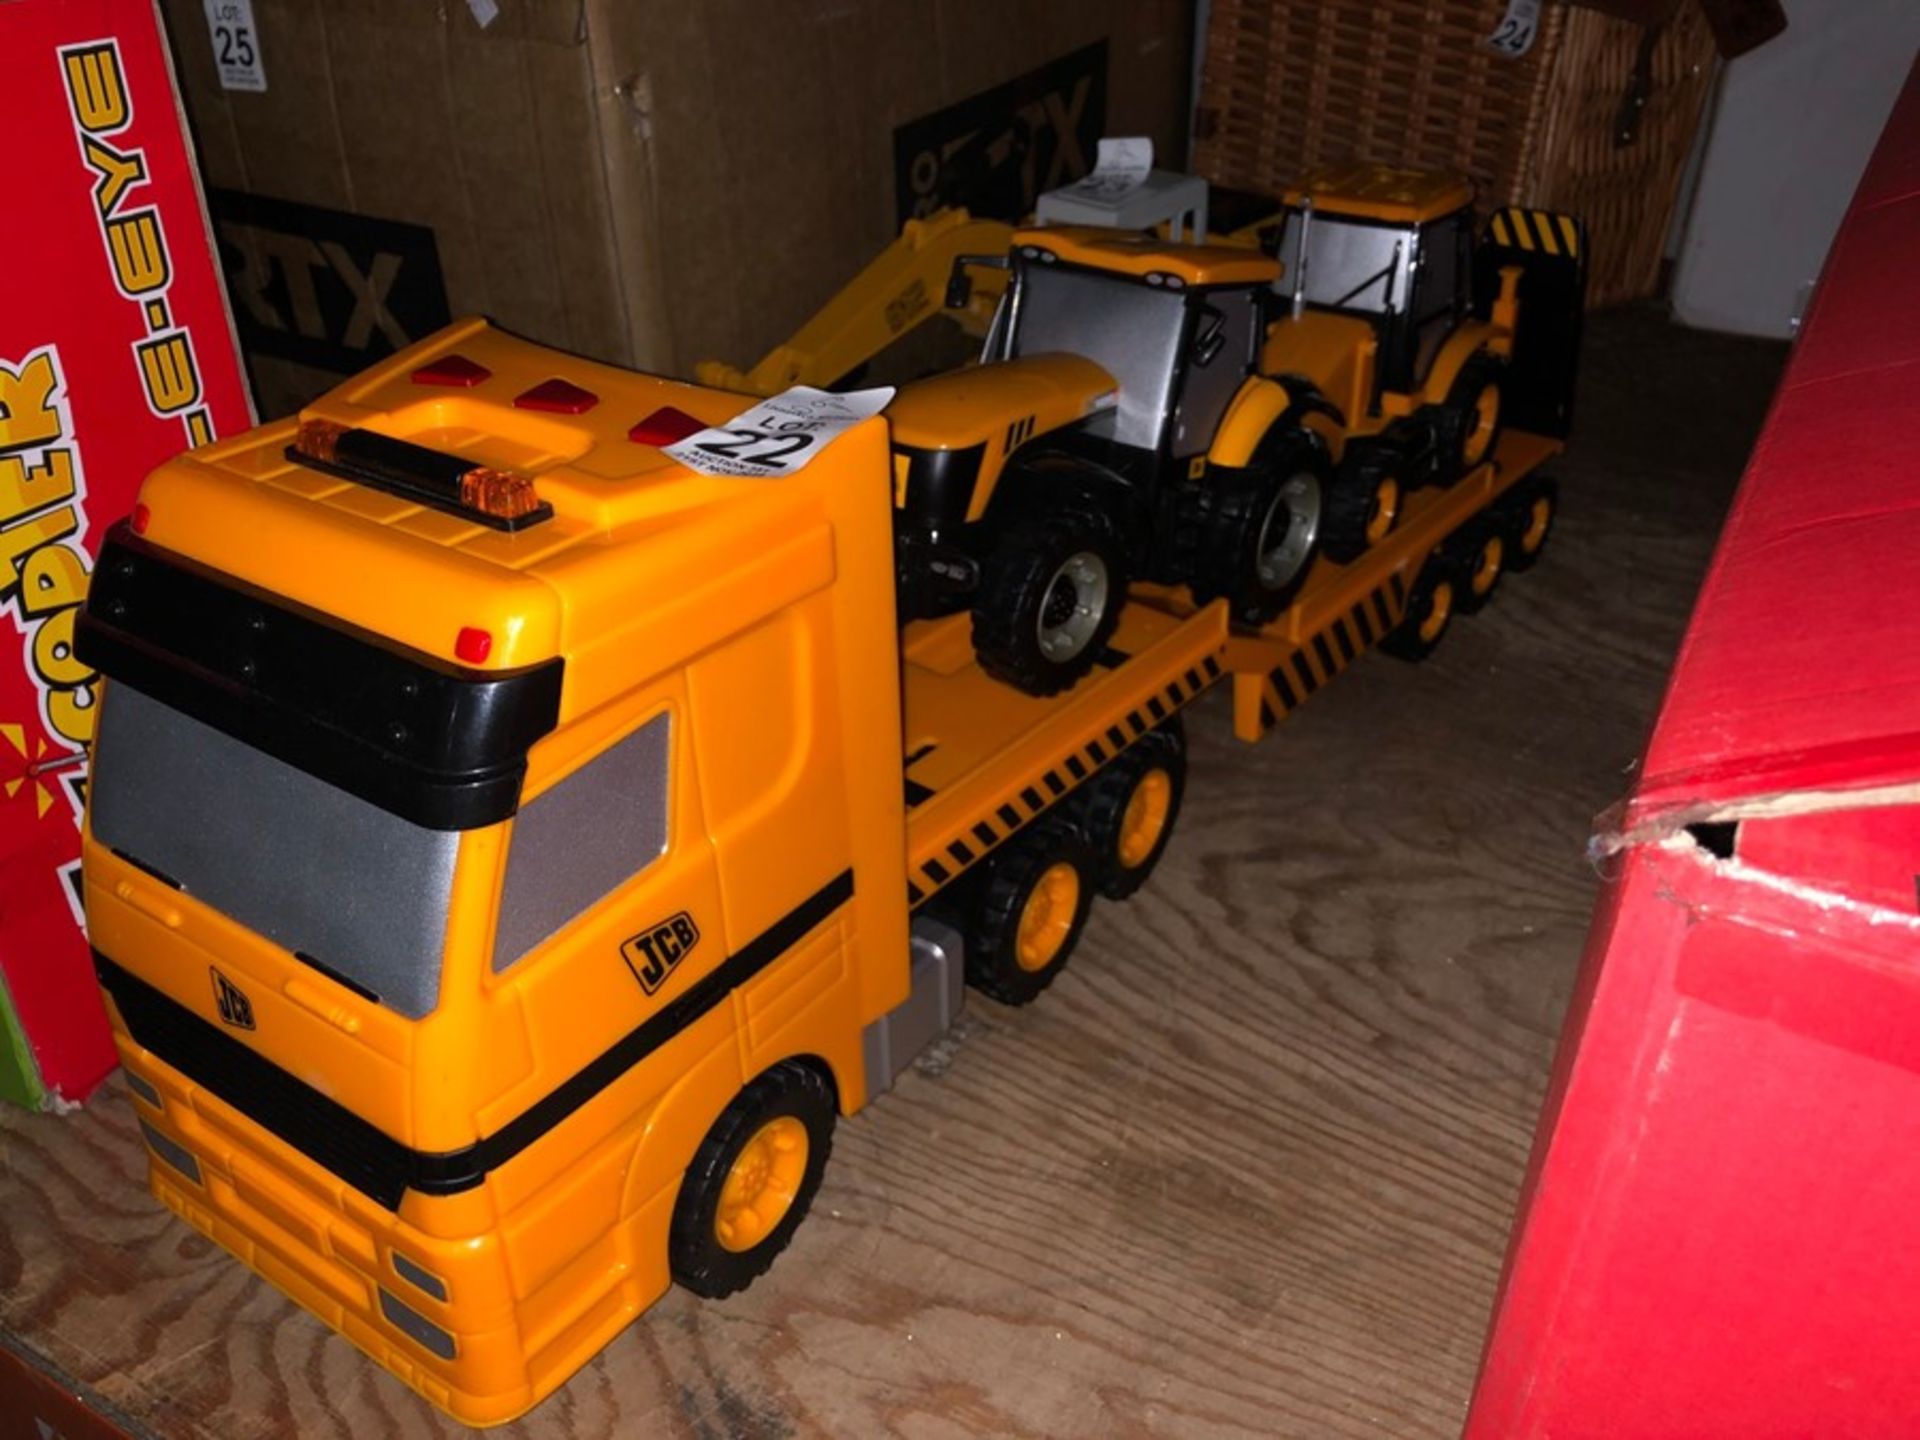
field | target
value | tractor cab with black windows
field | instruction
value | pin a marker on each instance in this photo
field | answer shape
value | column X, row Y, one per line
column 1378, row 253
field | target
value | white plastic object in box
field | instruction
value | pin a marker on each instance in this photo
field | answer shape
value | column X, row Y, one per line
column 1180, row 200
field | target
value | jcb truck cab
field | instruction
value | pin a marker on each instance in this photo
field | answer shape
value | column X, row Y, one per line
column 493, row 890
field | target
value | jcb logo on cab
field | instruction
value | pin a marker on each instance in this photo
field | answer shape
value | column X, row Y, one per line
column 655, row 951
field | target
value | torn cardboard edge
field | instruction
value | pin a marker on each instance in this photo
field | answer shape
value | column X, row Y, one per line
column 1706, row 834
column 1818, row 898
column 1613, row 833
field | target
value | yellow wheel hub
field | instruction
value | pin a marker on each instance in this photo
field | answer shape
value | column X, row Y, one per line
column 1539, row 517
column 1047, row 918
column 761, row 1186
column 1439, row 611
column 1486, row 567
column 1480, row 424
column 1384, row 510
column 1145, row 818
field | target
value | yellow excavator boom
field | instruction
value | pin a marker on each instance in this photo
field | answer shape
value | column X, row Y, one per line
column 902, row 287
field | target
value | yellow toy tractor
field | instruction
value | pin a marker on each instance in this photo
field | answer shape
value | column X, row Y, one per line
column 1153, row 411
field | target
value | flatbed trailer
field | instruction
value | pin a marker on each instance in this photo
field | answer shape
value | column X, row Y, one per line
column 984, row 762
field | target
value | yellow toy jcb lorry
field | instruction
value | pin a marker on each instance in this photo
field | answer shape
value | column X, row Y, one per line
column 509, row 850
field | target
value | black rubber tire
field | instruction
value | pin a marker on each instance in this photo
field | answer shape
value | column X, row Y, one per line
column 1370, row 478
column 993, row 965
column 1477, row 554
column 1233, row 522
column 1015, row 583
column 695, row 1255
column 1103, row 805
column 1515, row 511
column 1478, row 373
column 1436, row 586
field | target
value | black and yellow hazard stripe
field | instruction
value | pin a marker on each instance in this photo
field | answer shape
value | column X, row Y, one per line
column 1046, row 789
column 1543, row 230
column 1018, row 433
column 1331, row 649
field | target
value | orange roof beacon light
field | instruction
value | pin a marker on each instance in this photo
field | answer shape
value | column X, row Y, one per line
column 502, row 494
column 317, row 440
column 503, row 499
column 495, row 921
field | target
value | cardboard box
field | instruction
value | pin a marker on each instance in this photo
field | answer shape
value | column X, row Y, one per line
column 1716, row 1236
column 37, row 1403
column 115, row 353
column 649, row 185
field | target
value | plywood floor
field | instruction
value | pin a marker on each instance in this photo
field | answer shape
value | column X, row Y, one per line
column 1246, row 1170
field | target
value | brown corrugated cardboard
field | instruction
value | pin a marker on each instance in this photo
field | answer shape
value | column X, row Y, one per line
column 646, row 184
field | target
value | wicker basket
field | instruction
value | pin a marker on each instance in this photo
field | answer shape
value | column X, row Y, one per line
column 1291, row 85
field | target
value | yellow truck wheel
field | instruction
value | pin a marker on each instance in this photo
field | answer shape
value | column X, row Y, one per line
column 1527, row 514
column 1365, row 501
column 752, row 1180
column 1128, row 810
column 1029, row 914
column 1050, row 596
column 1431, row 606
column 1258, row 531
column 1477, row 554
column 1475, row 413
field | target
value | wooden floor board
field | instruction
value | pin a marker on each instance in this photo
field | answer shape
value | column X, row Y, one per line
column 1247, row 1170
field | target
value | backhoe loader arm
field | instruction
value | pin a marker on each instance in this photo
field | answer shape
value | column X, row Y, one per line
column 903, row 286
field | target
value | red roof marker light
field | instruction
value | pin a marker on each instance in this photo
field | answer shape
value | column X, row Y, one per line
column 665, row 426
column 562, row 397
column 455, row 371
column 140, row 519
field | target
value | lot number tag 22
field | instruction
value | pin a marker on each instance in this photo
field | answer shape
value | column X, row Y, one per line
column 778, row 436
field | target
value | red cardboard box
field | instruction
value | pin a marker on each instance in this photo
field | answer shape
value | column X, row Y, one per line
column 1717, row 1236
column 35, row 1405
column 116, row 352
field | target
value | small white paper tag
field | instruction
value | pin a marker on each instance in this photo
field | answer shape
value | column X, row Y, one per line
column 1513, row 36
column 780, row 435
column 1119, row 165
column 485, row 12
column 236, row 45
